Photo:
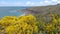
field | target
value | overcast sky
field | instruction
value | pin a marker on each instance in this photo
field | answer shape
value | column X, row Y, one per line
column 28, row 2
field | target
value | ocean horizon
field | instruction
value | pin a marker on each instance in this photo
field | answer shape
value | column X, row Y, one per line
column 11, row 10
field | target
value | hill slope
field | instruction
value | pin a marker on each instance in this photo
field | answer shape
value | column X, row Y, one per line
column 44, row 11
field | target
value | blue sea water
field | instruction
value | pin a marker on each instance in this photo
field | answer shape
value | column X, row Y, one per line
column 11, row 11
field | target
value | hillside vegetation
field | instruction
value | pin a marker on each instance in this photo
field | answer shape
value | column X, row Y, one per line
column 41, row 20
column 44, row 11
column 29, row 25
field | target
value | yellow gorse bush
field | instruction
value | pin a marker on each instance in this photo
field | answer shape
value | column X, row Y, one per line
column 29, row 24
column 19, row 25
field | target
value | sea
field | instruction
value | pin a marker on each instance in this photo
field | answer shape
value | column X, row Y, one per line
column 11, row 10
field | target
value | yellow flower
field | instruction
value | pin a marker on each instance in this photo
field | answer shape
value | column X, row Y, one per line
column 19, row 25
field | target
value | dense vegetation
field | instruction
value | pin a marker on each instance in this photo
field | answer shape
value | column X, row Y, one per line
column 18, row 25
column 41, row 20
column 29, row 24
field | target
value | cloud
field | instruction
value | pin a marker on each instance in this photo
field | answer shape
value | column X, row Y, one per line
column 3, row 3
column 30, row 3
column 58, row 1
column 49, row 2
column 54, row 0
column 42, row 3
column 46, row 1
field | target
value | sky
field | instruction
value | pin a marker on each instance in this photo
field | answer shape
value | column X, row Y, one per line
column 28, row 2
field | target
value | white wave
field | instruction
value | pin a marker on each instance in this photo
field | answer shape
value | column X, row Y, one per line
column 23, row 14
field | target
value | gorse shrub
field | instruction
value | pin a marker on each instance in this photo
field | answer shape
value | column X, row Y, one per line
column 29, row 24
column 18, row 25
